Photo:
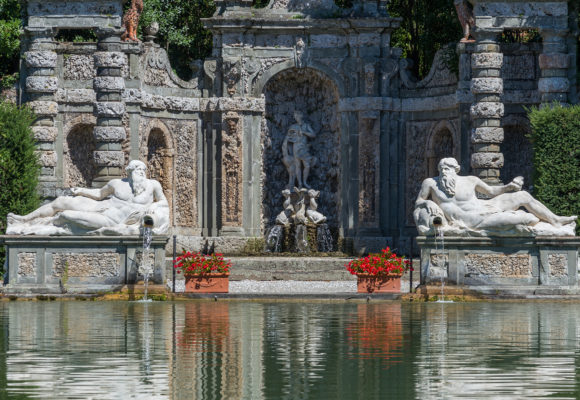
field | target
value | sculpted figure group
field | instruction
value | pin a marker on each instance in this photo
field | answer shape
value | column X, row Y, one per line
column 118, row 208
column 300, row 204
column 507, row 210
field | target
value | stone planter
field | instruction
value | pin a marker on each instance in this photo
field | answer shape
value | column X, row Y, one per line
column 367, row 283
column 207, row 283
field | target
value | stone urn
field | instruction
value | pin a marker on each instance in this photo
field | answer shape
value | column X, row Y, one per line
column 151, row 31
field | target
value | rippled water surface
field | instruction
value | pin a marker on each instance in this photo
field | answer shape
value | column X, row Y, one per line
column 298, row 350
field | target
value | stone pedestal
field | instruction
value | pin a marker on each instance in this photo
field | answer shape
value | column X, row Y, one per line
column 550, row 261
column 81, row 264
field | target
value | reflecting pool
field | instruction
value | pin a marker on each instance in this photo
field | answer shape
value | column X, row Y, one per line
column 288, row 350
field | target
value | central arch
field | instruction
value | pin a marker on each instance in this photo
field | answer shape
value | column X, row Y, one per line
column 316, row 96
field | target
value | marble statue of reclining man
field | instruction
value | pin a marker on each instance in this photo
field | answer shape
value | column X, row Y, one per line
column 454, row 199
column 117, row 208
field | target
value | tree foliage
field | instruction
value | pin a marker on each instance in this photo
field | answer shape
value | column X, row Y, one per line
column 10, row 23
column 181, row 31
column 556, row 141
column 19, row 166
column 427, row 26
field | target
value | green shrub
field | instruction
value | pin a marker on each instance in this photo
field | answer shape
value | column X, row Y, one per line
column 19, row 166
column 556, row 140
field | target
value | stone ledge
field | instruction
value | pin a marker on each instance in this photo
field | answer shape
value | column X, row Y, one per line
column 501, row 261
column 43, row 253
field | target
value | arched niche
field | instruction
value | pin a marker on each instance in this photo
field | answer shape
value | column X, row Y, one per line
column 78, row 147
column 442, row 144
column 518, row 154
column 157, row 152
column 316, row 96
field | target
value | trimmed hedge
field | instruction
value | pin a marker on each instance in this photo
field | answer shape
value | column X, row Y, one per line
column 556, row 140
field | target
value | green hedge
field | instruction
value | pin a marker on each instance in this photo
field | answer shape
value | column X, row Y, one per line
column 556, row 140
column 19, row 168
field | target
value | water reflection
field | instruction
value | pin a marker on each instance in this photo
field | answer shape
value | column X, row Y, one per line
column 261, row 350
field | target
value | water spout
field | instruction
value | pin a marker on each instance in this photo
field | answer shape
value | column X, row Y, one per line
column 441, row 257
column 274, row 239
column 301, row 239
column 324, row 238
column 145, row 268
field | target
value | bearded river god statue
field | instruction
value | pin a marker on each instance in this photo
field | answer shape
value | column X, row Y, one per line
column 118, row 208
column 454, row 200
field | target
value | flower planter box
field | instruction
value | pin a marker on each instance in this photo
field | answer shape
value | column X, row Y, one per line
column 207, row 283
column 378, row 284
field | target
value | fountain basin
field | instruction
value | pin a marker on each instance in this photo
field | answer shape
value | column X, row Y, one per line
column 497, row 261
column 52, row 264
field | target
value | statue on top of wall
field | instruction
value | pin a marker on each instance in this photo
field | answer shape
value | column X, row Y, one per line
column 454, row 200
column 295, row 153
column 466, row 18
column 131, row 21
column 118, row 208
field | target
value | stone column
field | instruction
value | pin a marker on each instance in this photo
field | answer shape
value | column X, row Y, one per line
column 41, row 86
column 554, row 62
column 487, row 109
column 109, row 107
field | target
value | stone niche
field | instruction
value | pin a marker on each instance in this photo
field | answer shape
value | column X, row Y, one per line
column 314, row 94
column 500, row 261
column 79, row 264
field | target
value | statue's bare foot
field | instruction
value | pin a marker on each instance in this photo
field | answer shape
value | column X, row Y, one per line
column 566, row 220
column 12, row 218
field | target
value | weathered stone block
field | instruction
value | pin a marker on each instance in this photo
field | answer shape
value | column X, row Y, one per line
column 558, row 265
column 109, row 158
column 504, row 265
column 487, row 135
column 110, row 59
column 487, row 85
column 44, row 133
column 487, row 160
column 97, row 264
column 47, row 158
column 75, row 96
column 109, row 133
column 487, row 110
column 182, row 104
column 44, row 108
column 40, row 59
column 78, row 67
column 109, row 84
column 26, row 264
column 553, row 85
column 554, row 61
column 486, row 60
column 110, row 109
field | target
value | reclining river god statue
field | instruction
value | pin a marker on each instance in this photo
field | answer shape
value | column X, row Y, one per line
column 118, row 208
column 506, row 210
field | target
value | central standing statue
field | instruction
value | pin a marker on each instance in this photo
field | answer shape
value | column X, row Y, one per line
column 295, row 154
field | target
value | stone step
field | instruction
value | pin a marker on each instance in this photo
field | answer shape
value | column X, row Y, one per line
column 290, row 268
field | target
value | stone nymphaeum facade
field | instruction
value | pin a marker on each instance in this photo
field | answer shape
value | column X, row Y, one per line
column 214, row 142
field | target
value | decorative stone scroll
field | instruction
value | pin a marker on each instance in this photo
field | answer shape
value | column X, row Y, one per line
column 232, row 170
column 368, row 170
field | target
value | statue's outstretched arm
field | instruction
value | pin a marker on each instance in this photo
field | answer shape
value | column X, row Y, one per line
column 95, row 194
column 493, row 191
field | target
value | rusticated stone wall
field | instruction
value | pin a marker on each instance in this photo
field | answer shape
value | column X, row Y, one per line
column 169, row 148
column 316, row 96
